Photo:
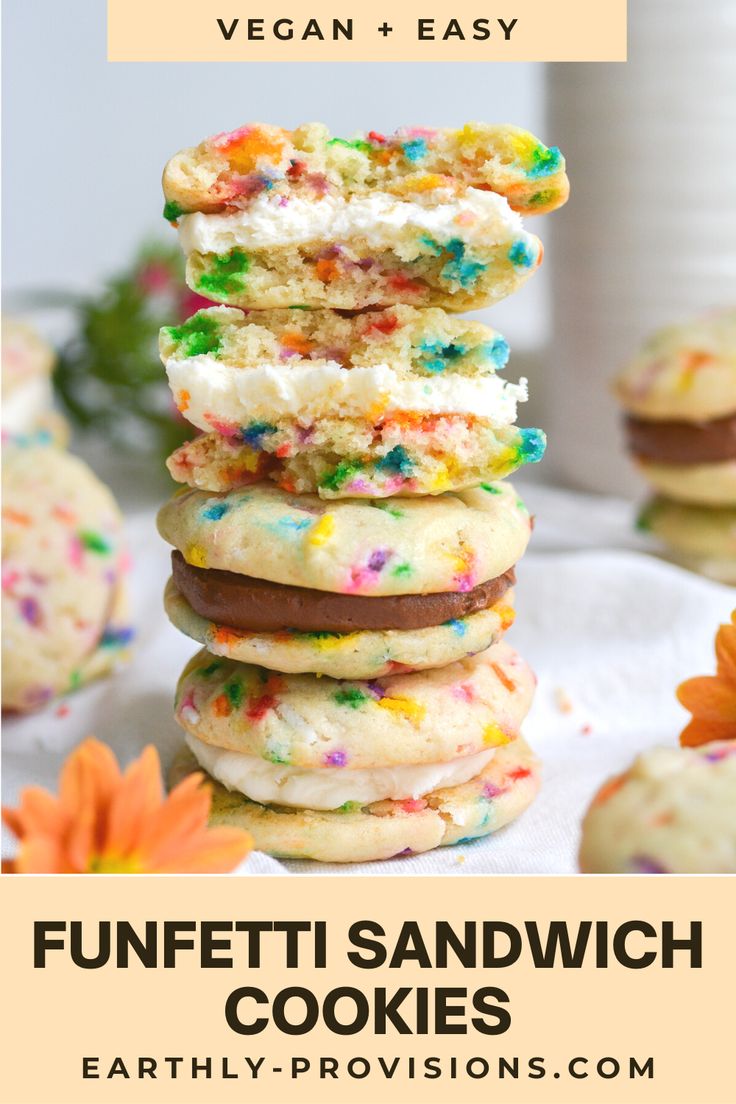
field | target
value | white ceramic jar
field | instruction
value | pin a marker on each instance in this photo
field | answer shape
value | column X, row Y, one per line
column 649, row 235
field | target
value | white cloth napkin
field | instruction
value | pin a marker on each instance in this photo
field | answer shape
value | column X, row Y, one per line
column 609, row 629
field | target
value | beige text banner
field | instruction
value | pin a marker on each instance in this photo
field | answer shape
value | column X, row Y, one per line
column 366, row 30
column 602, row 1031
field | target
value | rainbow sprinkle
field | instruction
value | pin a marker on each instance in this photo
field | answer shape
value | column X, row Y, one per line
column 522, row 254
column 322, row 530
column 352, row 697
column 198, row 335
column 226, row 275
column 414, row 711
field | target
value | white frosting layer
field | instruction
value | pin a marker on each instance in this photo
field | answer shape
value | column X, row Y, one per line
column 25, row 404
column 273, row 391
column 330, row 787
column 380, row 219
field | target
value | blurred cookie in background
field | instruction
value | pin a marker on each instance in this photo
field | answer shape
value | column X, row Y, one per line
column 28, row 415
column 701, row 538
column 679, row 397
column 671, row 812
column 64, row 610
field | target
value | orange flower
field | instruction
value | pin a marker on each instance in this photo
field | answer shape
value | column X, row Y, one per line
column 106, row 821
column 712, row 698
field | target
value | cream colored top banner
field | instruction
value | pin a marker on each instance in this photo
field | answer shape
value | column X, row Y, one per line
column 366, row 30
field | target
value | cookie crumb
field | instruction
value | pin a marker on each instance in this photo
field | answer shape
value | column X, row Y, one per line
column 563, row 700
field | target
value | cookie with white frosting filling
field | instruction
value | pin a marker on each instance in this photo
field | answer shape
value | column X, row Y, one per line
column 392, row 402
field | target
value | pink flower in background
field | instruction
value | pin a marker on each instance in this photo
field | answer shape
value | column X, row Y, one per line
column 156, row 278
column 190, row 303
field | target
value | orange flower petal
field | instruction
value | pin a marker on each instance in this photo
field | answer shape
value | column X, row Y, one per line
column 13, row 821
column 86, row 785
column 708, row 697
column 178, row 820
column 43, row 855
column 38, row 812
column 726, row 653
column 216, row 851
column 138, row 797
column 91, row 769
column 699, row 732
column 80, row 842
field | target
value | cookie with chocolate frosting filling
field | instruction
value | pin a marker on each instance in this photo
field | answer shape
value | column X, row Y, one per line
column 364, row 654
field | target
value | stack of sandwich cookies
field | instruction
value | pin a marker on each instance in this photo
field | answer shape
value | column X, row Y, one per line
column 679, row 395
column 415, row 730
column 342, row 547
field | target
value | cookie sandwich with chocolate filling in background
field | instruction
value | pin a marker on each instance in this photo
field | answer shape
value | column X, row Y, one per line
column 679, row 397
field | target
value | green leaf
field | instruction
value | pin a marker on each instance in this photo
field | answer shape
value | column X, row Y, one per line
column 109, row 377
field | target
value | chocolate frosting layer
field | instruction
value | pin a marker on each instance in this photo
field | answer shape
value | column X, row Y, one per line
column 683, row 442
column 256, row 605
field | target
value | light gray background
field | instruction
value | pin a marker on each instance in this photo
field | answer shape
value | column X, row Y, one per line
column 648, row 238
column 85, row 140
